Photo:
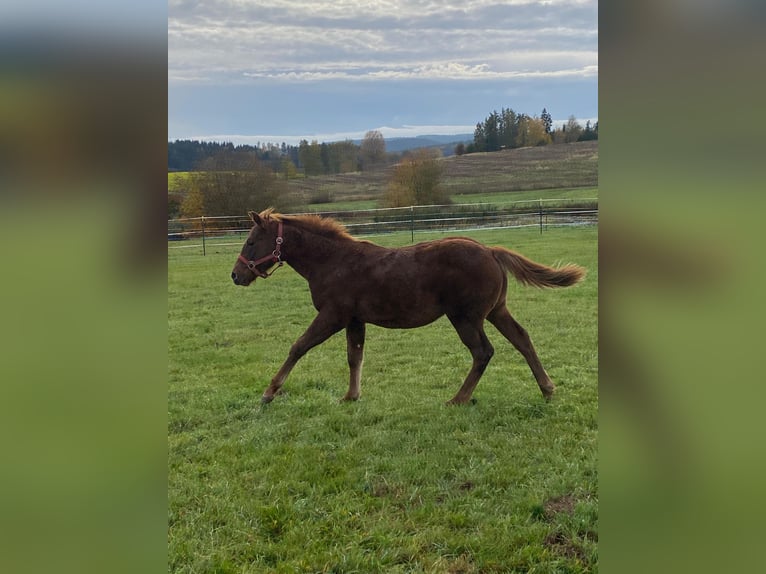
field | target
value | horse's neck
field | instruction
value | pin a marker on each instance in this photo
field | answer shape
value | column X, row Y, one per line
column 313, row 252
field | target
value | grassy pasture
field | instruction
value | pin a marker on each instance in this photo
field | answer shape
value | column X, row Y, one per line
column 538, row 168
column 397, row 482
column 500, row 198
column 178, row 180
column 528, row 172
column 497, row 198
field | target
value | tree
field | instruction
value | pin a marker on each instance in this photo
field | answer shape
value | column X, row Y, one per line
column 573, row 130
column 416, row 180
column 590, row 133
column 288, row 168
column 342, row 157
column 508, row 128
column 372, row 151
column 547, row 121
column 522, row 134
column 479, row 138
column 175, row 199
column 492, row 131
column 193, row 204
column 536, row 134
column 310, row 157
column 460, row 149
column 232, row 183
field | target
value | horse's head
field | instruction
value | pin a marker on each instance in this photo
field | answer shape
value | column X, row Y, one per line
column 261, row 251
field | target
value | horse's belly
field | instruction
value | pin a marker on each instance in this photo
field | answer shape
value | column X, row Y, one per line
column 403, row 323
column 401, row 313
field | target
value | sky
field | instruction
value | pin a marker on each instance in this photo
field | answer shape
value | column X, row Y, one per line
column 249, row 71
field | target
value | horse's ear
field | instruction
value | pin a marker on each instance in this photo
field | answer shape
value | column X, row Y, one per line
column 256, row 218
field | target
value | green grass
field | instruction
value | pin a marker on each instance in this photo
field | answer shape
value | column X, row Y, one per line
column 500, row 198
column 397, row 482
column 177, row 180
column 351, row 205
column 497, row 198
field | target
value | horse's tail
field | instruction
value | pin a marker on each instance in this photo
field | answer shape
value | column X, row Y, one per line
column 528, row 272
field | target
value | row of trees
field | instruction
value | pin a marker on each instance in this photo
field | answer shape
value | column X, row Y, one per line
column 341, row 157
column 506, row 129
column 310, row 158
column 509, row 129
column 227, row 179
column 236, row 180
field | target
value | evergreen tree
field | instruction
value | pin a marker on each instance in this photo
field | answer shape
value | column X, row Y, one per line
column 479, row 138
column 547, row 121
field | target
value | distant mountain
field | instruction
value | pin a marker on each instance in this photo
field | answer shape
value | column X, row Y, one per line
column 446, row 142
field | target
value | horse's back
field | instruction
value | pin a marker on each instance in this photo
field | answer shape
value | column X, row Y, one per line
column 415, row 285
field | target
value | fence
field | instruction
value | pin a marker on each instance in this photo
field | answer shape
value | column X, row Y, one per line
column 202, row 232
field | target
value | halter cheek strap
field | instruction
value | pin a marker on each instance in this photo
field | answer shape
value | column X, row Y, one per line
column 274, row 257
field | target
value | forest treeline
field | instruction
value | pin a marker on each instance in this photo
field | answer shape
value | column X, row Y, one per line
column 508, row 130
column 499, row 130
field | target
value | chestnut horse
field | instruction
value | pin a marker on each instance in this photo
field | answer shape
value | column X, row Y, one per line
column 355, row 282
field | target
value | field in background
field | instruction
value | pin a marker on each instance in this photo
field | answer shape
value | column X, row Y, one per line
column 396, row 482
column 500, row 198
column 539, row 169
column 495, row 198
column 547, row 167
column 178, row 180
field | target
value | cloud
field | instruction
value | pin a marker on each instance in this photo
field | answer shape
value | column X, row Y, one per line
column 225, row 41
column 439, row 71
column 327, row 69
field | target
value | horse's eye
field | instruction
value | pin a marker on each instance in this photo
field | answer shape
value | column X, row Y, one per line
column 250, row 243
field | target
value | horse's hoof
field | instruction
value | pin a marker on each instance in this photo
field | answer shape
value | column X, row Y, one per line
column 453, row 402
column 266, row 399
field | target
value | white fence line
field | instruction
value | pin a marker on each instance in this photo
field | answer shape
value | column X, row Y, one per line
column 460, row 217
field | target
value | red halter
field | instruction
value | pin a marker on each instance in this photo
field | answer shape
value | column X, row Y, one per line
column 274, row 257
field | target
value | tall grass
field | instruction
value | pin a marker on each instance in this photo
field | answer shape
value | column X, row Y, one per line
column 396, row 482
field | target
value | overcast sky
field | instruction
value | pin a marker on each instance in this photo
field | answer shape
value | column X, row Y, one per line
column 283, row 70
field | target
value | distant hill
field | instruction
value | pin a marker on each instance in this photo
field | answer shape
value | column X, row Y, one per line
column 446, row 143
column 555, row 166
column 185, row 155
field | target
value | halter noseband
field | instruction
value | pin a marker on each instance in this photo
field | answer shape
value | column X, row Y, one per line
column 274, row 257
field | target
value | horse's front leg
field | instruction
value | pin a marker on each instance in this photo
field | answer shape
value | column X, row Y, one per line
column 322, row 328
column 355, row 351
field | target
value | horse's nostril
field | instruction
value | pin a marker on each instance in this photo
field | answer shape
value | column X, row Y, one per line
column 233, row 276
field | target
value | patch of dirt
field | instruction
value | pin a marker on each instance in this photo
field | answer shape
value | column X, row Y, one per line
column 461, row 565
column 559, row 504
column 560, row 544
column 467, row 485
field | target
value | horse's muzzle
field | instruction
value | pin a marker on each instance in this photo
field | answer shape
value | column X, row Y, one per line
column 239, row 280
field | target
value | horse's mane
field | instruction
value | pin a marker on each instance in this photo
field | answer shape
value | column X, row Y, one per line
column 323, row 226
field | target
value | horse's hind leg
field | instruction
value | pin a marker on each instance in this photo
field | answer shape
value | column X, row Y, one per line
column 517, row 335
column 473, row 336
column 355, row 351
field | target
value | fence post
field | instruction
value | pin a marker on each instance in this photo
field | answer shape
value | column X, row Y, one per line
column 541, row 216
column 412, row 224
column 203, row 235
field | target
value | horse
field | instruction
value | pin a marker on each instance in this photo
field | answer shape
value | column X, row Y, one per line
column 355, row 282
